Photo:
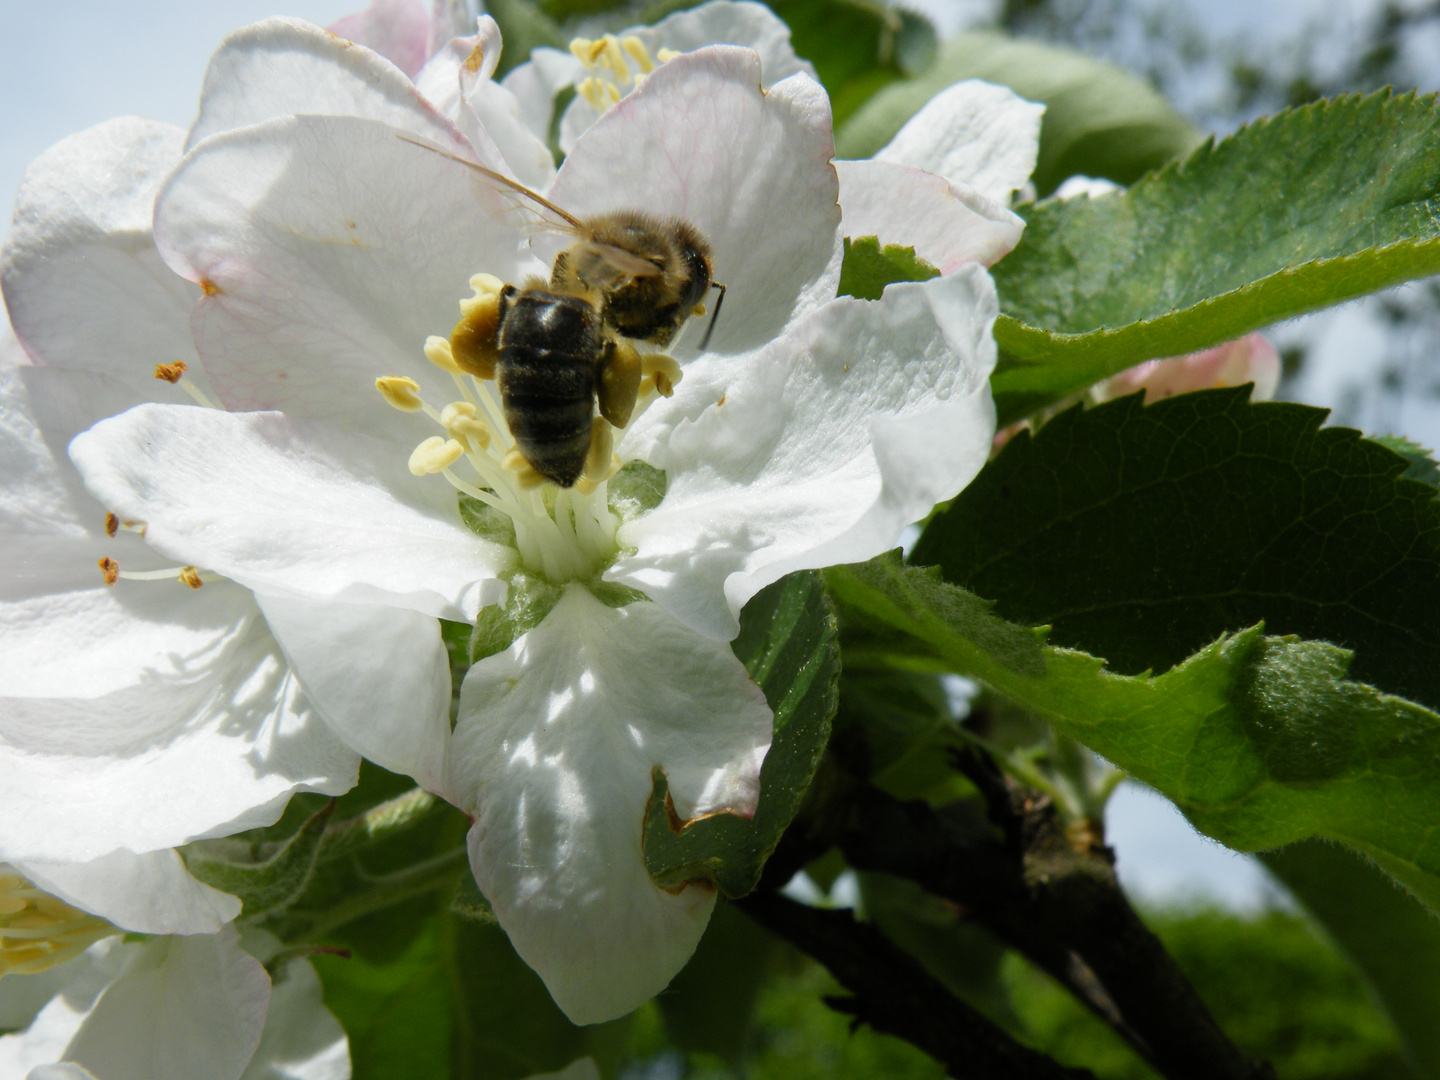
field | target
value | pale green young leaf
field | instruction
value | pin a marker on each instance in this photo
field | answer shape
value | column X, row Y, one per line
column 1299, row 211
column 1260, row 741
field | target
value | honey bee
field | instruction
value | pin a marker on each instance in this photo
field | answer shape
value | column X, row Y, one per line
column 558, row 349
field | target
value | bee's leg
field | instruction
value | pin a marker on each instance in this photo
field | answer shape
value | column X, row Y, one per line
column 601, row 461
column 475, row 341
column 617, row 382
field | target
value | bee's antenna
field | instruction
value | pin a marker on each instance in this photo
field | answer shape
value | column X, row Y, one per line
column 713, row 315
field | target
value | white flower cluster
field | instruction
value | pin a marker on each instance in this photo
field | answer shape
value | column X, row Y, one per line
column 270, row 265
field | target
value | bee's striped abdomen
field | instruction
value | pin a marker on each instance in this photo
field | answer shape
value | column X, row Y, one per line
column 549, row 346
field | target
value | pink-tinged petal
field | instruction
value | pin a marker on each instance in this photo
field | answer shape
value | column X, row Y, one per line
column 292, row 507
column 751, row 170
column 380, row 676
column 151, row 893
column 186, row 1008
column 946, row 224
column 330, row 249
column 398, row 30
column 214, row 745
column 553, row 755
column 974, row 134
column 288, row 67
column 1249, row 359
column 823, row 448
column 84, row 285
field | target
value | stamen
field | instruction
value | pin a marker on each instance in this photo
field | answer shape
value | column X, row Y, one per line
column 186, row 575
column 191, row 577
column 39, row 931
column 110, row 568
column 636, row 48
column 586, row 50
column 525, row 474
column 401, row 391
column 666, row 55
column 460, row 420
column 174, row 374
column 615, row 59
column 112, row 524
column 171, row 373
column 589, row 88
column 437, row 351
column 435, row 455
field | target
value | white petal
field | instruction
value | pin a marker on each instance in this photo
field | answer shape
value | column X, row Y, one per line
column 79, row 984
column 331, row 249
column 302, row 1040
column 286, row 67
column 291, row 507
column 536, row 82
column 214, row 745
column 721, row 22
column 828, row 444
column 398, row 30
column 188, row 1008
column 553, row 756
column 751, row 170
column 947, row 224
column 151, row 893
column 380, row 676
column 82, row 279
column 972, row 133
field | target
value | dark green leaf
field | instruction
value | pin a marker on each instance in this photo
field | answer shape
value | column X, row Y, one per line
column 787, row 643
column 1260, row 741
column 523, row 26
column 857, row 46
column 1099, row 120
column 267, row 877
column 1306, row 209
column 1392, row 940
column 868, row 268
column 1141, row 534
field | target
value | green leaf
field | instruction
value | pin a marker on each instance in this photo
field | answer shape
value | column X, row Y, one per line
column 1390, row 938
column 1422, row 461
column 788, row 644
column 523, row 26
column 1260, row 741
column 1308, row 208
column 1099, row 120
column 1141, row 534
column 868, row 267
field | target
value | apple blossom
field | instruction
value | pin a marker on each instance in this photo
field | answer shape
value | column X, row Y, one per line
column 1250, row 359
column 809, row 432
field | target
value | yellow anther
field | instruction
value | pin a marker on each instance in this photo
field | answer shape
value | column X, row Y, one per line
column 586, row 50
column 38, row 931
column 462, row 421
column 663, row 385
column 666, row 55
column 525, row 474
column 112, row 524
column 437, row 351
column 435, row 455
column 615, row 58
column 664, row 371
column 589, row 88
column 637, row 52
column 401, row 391
column 111, row 569
column 612, row 93
column 602, row 449
column 170, row 372
column 190, row 576
column 486, row 289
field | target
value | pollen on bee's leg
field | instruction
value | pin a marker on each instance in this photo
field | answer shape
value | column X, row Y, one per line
column 526, row 475
column 435, row 455
column 475, row 341
column 462, row 421
column 401, row 391
column 110, row 568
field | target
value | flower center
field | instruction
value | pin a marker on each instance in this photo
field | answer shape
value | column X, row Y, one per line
column 563, row 533
column 614, row 66
column 39, row 931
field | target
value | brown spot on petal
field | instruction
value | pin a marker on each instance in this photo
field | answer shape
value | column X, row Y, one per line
column 170, row 372
column 722, row 400
column 111, row 569
column 208, row 287
column 112, row 524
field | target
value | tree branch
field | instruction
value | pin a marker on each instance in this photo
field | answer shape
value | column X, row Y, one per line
column 895, row 995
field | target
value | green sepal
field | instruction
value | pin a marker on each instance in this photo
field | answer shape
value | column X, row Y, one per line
column 788, row 644
column 1302, row 210
column 868, row 267
column 266, row 877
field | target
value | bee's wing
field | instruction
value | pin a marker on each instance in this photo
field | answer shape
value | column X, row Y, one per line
column 606, row 267
column 541, row 210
